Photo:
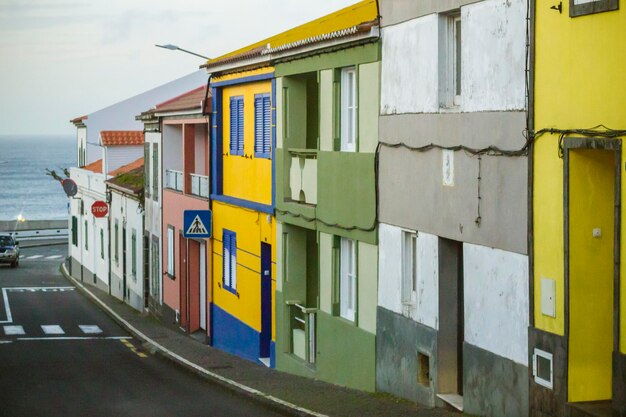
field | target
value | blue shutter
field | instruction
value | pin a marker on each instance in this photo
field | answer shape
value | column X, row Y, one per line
column 233, row 261
column 258, row 125
column 267, row 125
column 240, row 126
column 233, row 126
column 225, row 259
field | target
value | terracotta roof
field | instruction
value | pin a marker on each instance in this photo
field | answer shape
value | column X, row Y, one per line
column 349, row 21
column 94, row 167
column 79, row 119
column 131, row 180
column 128, row 167
column 121, row 137
column 191, row 100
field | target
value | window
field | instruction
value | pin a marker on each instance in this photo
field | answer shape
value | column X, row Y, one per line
column 583, row 7
column 409, row 268
column 236, row 125
column 229, row 260
column 170, row 251
column 86, row 237
column 156, row 293
column 133, row 251
column 117, row 240
column 146, row 168
column 74, row 230
column 349, row 108
column 542, row 368
column 347, row 280
column 451, row 61
column 155, row 171
column 262, row 126
column 101, row 244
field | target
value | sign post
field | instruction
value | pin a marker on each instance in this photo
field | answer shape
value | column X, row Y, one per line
column 99, row 209
column 197, row 224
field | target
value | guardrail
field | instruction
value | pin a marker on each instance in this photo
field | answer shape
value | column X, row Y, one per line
column 174, row 179
column 199, row 185
column 35, row 229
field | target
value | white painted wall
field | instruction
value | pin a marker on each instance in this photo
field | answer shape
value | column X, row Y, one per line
column 426, row 310
column 118, row 156
column 173, row 148
column 493, row 60
column 409, row 77
column 496, row 301
column 121, row 116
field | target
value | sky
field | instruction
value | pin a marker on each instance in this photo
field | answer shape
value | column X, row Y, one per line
column 60, row 59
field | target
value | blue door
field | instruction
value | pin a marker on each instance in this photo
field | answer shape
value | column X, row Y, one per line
column 266, row 300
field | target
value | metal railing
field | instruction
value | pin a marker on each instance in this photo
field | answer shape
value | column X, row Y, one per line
column 199, row 185
column 174, row 179
column 302, row 328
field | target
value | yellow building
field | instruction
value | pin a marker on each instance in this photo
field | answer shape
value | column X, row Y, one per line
column 243, row 222
column 577, row 336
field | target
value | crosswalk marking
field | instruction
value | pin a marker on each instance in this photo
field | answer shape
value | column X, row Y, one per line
column 52, row 329
column 34, row 257
column 13, row 330
column 90, row 329
column 54, row 257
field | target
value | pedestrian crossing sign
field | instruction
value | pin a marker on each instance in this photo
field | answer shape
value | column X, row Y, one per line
column 197, row 224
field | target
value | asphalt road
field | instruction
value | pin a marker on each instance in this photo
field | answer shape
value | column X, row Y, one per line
column 61, row 356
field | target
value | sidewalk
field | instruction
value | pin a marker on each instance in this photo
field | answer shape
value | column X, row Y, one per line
column 290, row 394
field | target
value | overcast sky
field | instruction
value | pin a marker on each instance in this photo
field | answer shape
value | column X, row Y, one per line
column 60, row 59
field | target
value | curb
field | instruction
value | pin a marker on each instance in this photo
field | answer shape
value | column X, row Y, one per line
column 234, row 386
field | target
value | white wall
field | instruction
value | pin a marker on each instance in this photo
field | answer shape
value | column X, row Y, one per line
column 496, row 301
column 118, row 156
column 426, row 310
column 493, row 60
column 173, row 144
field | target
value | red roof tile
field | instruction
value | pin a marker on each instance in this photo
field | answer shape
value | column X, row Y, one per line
column 190, row 100
column 121, row 137
column 79, row 119
column 128, row 167
column 94, row 166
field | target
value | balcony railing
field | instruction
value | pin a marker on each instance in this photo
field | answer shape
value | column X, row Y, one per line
column 302, row 325
column 303, row 175
column 199, row 185
column 174, row 179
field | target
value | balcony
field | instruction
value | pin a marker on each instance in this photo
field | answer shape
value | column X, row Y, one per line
column 174, row 179
column 200, row 185
column 302, row 325
column 303, row 175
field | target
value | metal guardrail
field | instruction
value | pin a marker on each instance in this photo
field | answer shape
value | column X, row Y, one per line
column 39, row 234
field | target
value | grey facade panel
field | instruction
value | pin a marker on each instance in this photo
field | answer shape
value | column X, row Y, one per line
column 493, row 385
column 399, row 340
column 397, row 11
column 116, row 287
column 412, row 195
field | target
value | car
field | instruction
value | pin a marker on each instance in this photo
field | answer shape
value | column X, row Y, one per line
column 9, row 250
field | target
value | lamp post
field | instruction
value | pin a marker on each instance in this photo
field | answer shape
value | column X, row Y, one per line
column 176, row 48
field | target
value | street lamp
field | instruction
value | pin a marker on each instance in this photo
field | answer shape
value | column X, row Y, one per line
column 176, row 48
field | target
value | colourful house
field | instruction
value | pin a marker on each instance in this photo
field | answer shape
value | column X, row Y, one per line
column 242, row 194
column 578, row 315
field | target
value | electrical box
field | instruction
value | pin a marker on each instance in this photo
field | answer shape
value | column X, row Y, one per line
column 548, row 297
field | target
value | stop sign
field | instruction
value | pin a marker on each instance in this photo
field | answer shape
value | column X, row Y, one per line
column 99, row 209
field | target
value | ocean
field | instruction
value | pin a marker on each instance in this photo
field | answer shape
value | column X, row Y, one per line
column 24, row 186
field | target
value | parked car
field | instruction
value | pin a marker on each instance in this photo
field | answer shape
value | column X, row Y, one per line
column 9, row 250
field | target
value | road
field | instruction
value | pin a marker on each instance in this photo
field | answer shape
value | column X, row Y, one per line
column 62, row 356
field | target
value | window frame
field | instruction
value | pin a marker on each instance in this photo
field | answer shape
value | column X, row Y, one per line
column 86, row 236
column 146, row 168
column 229, row 260
column 348, row 276
column 171, row 254
column 117, row 245
column 262, row 127
column 451, row 61
column 592, row 7
column 133, row 254
column 409, row 268
column 75, row 231
column 236, row 144
column 349, row 110
column 101, row 243
column 155, row 171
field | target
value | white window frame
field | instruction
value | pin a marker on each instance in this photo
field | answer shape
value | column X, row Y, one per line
column 452, row 65
column 170, row 251
column 348, row 279
column 349, row 109
column 409, row 268
column 538, row 380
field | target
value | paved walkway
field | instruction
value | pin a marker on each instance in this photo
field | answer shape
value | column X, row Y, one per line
column 290, row 394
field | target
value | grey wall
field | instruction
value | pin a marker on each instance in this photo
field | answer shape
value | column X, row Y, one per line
column 397, row 11
column 412, row 194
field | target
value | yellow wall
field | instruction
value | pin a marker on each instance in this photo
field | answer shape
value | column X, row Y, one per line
column 591, row 205
column 252, row 228
column 579, row 83
column 245, row 178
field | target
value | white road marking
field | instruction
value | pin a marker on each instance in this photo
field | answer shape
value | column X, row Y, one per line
column 13, row 330
column 5, row 296
column 74, row 338
column 52, row 329
column 54, row 257
column 34, row 257
column 7, row 309
column 4, row 342
column 90, row 329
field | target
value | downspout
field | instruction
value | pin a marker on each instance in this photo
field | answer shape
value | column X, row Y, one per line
column 208, row 248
